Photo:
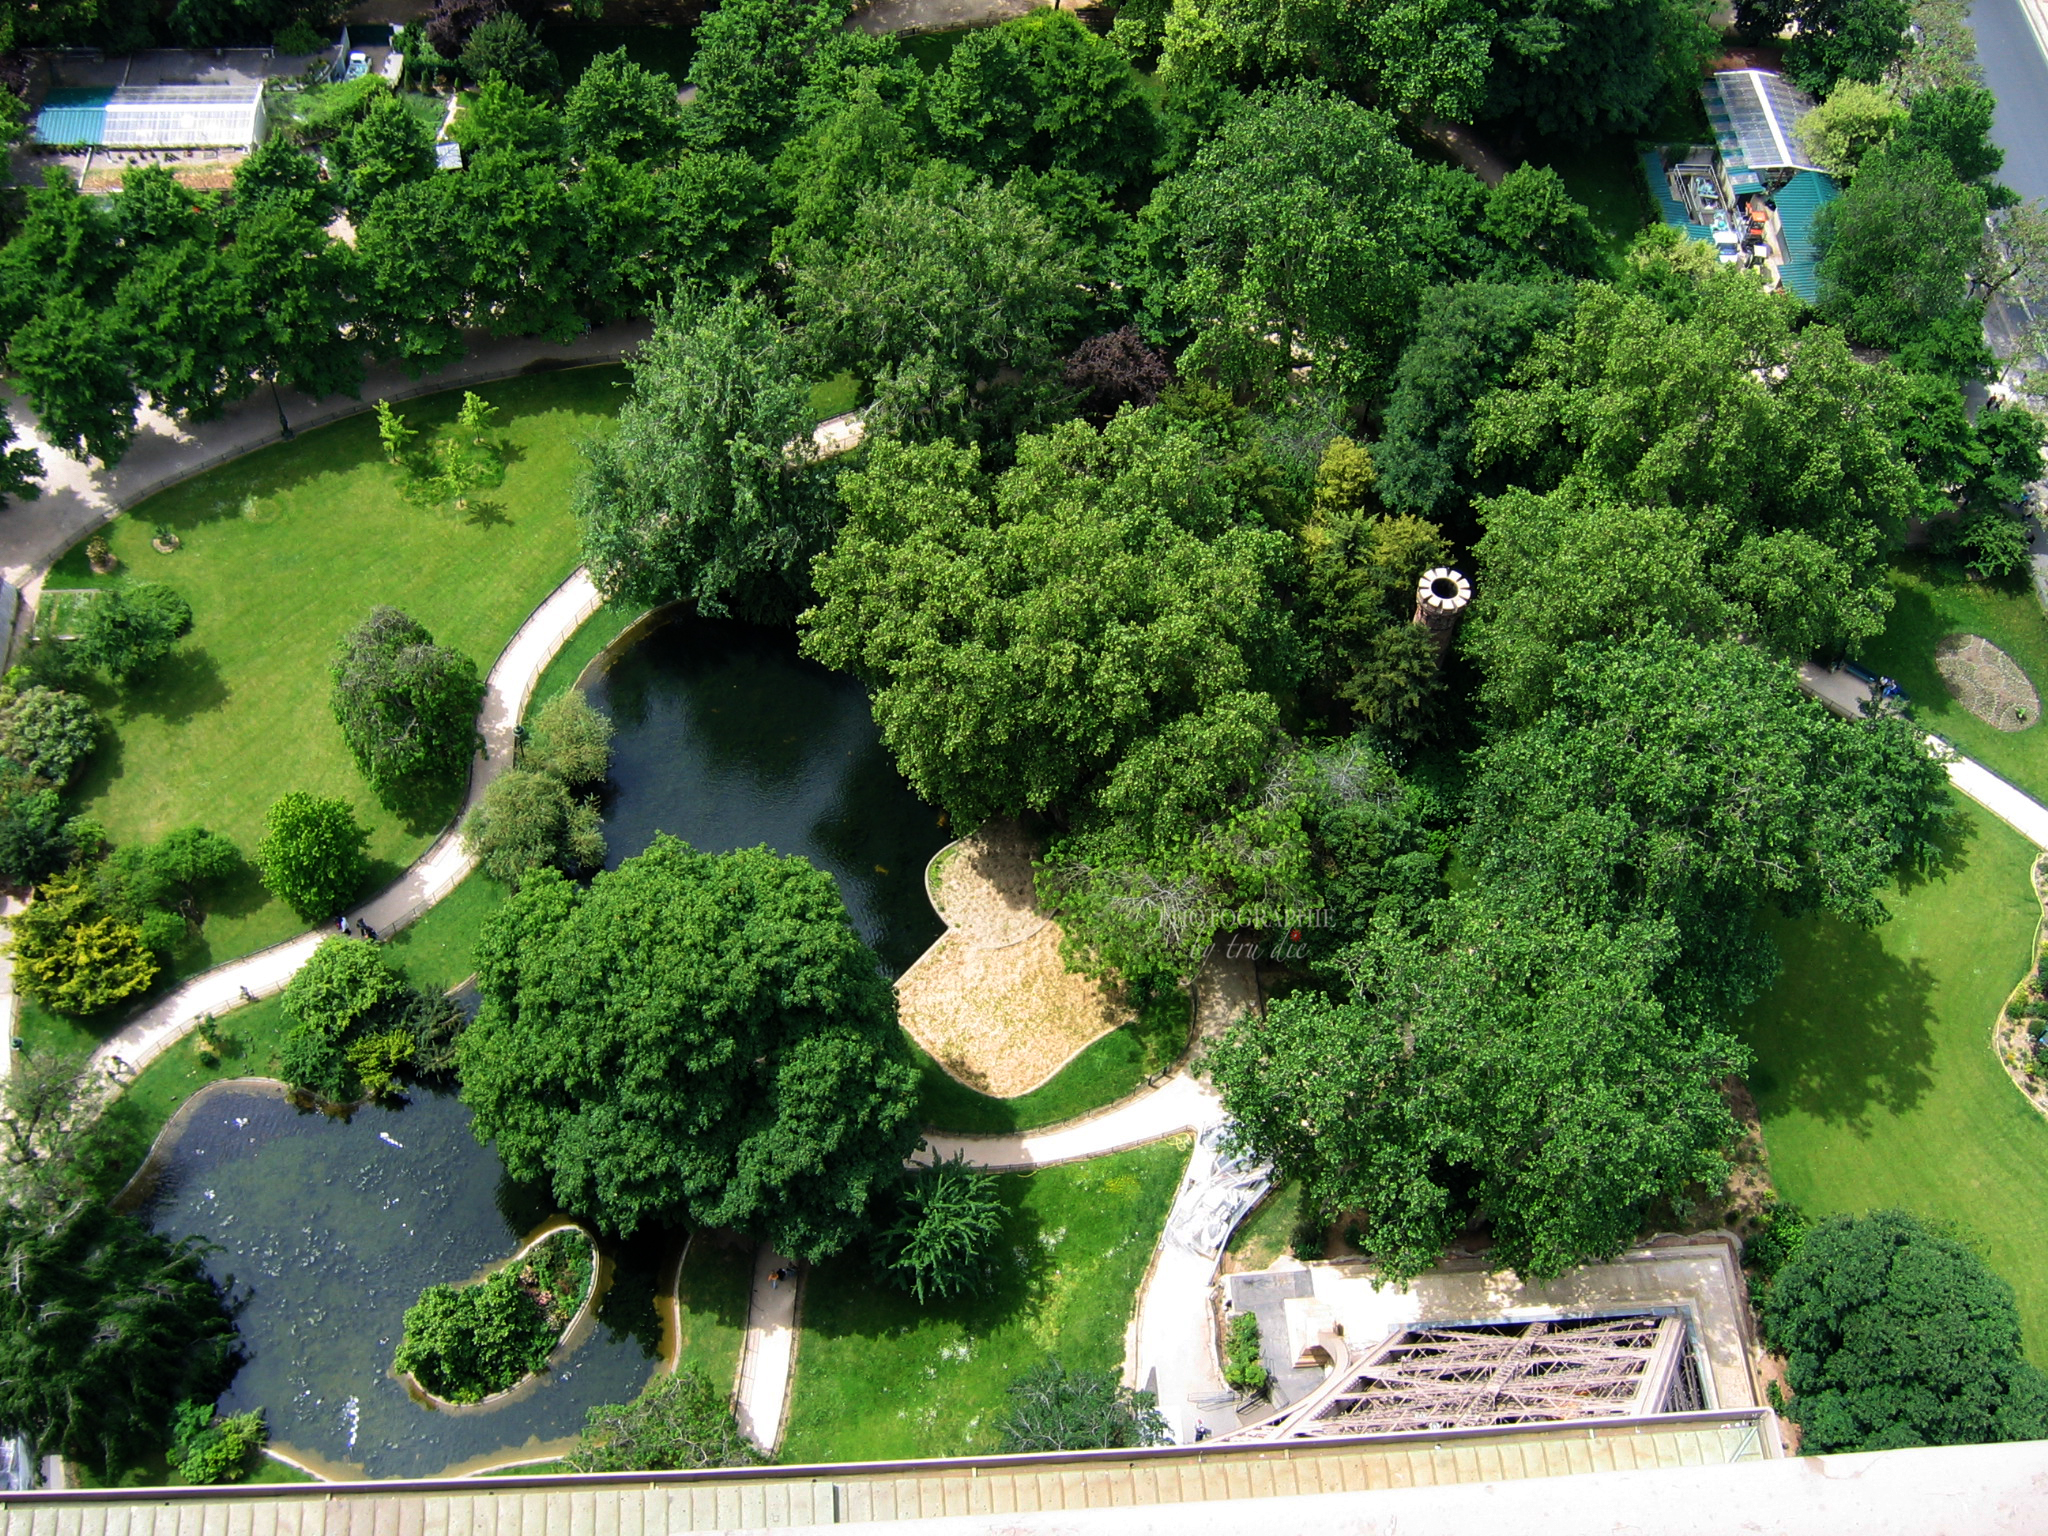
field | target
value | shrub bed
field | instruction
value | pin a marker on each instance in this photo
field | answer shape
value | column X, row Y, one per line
column 464, row 1343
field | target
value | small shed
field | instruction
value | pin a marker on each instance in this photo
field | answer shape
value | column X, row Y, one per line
column 152, row 117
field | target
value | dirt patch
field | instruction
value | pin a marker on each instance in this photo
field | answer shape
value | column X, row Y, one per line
column 1988, row 683
column 982, row 887
column 992, row 1001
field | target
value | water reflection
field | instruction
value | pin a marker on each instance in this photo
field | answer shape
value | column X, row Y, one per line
column 728, row 738
column 327, row 1230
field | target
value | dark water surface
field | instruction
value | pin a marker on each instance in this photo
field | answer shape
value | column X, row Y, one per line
column 728, row 739
column 329, row 1231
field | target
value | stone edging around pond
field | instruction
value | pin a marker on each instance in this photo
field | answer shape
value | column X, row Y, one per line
column 2009, row 1033
column 574, row 1334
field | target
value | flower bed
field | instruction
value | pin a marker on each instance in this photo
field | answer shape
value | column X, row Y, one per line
column 465, row 1343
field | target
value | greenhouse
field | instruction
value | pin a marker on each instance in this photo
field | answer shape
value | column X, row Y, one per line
column 153, row 117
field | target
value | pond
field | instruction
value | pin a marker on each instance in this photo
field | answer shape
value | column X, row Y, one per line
column 327, row 1229
column 728, row 738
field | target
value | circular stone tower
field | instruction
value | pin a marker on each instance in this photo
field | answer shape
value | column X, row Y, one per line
column 1440, row 599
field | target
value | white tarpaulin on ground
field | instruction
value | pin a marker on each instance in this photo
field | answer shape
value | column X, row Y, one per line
column 1220, row 1191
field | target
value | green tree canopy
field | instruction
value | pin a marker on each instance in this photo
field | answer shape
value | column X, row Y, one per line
column 1899, row 246
column 1698, row 780
column 1711, row 402
column 1836, row 39
column 681, row 1421
column 48, row 732
column 1895, row 1335
column 1055, row 1408
column 939, row 295
column 1104, row 610
column 1303, row 232
column 694, row 1037
column 1468, row 340
column 104, row 1329
column 311, row 856
column 949, row 1218
column 406, row 706
column 128, row 631
column 528, row 820
column 711, row 490
column 620, row 109
column 1507, row 1063
column 1044, row 91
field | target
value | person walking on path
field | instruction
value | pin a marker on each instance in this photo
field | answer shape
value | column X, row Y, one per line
column 343, row 921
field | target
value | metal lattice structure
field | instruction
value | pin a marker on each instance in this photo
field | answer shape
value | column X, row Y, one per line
column 1463, row 1376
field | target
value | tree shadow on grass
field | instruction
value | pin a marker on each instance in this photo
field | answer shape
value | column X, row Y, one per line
column 421, row 808
column 1847, row 1032
column 485, row 513
column 187, row 684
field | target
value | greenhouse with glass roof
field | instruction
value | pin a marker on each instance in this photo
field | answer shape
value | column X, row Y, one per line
column 152, row 117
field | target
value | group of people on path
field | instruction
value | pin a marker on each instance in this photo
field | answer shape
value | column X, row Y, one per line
column 362, row 930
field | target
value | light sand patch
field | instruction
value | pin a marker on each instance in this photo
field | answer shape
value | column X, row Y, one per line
column 992, row 1001
column 1987, row 682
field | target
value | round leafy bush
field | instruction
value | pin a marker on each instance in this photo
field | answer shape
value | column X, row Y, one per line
column 311, row 856
column 48, row 732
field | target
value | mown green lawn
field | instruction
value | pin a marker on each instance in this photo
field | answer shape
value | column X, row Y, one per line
column 879, row 1377
column 1932, row 600
column 283, row 552
column 1875, row 1073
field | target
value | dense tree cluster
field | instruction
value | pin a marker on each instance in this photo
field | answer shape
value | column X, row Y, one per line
column 692, row 1035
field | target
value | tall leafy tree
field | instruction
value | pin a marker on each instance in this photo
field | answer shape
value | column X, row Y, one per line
column 104, row 1330
column 1043, row 91
column 1835, row 39
column 751, row 60
column 1671, row 777
column 1468, row 339
column 1899, row 246
column 1024, row 640
column 1709, row 398
column 695, row 1037
column 387, row 147
column 938, row 297
column 711, row 490
column 406, row 706
column 1895, row 1335
column 1508, row 1063
column 1303, row 233
column 620, row 109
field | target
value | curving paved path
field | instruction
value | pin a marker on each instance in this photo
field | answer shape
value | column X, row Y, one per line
column 432, row 876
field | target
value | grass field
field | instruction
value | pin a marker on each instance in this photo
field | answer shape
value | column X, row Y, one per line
column 1933, row 599
column 283, row 552
column 1875, row 1074
column 878, row 1376
column 711, row 1305
column 1268, row 1233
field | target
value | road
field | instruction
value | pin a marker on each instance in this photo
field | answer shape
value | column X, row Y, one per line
column 2011, row 52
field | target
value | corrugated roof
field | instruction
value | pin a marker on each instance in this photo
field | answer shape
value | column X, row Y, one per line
column 154, row 116
column 1799, row 203
column 754, row 1498
column 73, row 115
column 1672, row 209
